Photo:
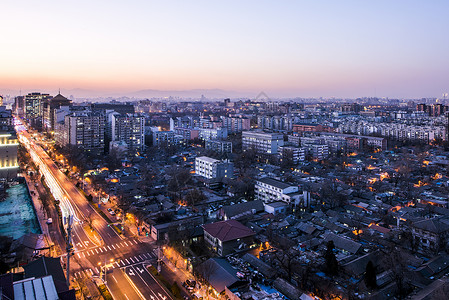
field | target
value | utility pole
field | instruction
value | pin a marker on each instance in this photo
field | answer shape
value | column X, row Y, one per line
column 69, row 221
column 159, row 258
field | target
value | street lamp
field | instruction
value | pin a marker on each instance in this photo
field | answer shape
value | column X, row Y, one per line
column 104, row 269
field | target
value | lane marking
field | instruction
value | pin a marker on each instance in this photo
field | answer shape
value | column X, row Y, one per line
column 143, row 280
column 117, row 264
column 79, row 256
column 101, row 250
column 144, row 255
column 135, row 257
column 104, row 248
column 92, row 252
column 123, row 262
column 113, row 246
column 109, row 248
column 88, row 254
column 126, row 296
column 131, row 260
column 127, row 261
column 96, row 270
column 96, row 251
column 140, row 257
column 117, row 245
column 126, row 244
column 115, row 279
column 122, row 244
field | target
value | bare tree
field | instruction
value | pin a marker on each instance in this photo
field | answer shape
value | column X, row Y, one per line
column 287, row 261
column 395, row 262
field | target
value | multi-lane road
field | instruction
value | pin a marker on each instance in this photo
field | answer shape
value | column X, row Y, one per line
column 123, row 259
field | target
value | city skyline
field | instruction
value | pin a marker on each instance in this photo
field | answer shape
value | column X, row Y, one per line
column 289, row 49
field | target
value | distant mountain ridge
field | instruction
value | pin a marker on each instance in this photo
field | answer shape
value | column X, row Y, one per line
column 146, row 93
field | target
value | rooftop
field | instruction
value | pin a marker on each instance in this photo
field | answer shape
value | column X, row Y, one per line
column 274, row 182
column 228, row 230
column 207, row 159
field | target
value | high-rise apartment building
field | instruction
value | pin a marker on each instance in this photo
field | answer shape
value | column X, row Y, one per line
column 128, row 128
column 84, row 129
column 33, row 108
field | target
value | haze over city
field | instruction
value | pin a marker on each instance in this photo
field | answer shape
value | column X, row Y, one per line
column 287, row 49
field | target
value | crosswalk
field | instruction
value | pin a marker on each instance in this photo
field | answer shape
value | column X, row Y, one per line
column 125, row 262
column 99, row 250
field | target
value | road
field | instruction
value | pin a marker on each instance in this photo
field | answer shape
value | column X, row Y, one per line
column 120, row 255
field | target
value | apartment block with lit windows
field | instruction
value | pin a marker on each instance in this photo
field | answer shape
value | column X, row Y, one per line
column 128, row 128
column 213, row 168
column 84, row 129
column 262, row 142
column 8, row 155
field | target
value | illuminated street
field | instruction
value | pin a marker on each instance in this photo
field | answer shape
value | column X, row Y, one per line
column 126, row 276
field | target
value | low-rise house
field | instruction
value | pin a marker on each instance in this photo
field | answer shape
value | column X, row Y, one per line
column 430, row 234
column 259, row 265
column 276, row 208
column 218, row 272
column 226, row 236
column 241, row 210
column 344, row 244
column 183, row 228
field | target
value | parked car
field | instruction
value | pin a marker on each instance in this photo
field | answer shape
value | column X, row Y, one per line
column 111, row 211
column 49, row 221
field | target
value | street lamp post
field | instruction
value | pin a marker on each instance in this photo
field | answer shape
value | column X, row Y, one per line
column 103, row 269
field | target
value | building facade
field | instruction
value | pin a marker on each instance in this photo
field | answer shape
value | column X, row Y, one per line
column 213, row 168
column 129, row 128
column 83, row 129
column 262, row 142
column 219, row 146
column 271, row 190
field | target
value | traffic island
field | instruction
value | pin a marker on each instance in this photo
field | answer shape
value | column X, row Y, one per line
column 104, row 216
column 93, row 235
column 171, row 289
column 104, row 292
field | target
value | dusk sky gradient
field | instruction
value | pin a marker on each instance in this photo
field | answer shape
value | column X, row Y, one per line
column 285, row 48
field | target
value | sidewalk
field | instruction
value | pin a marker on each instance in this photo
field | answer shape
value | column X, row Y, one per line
column 42, row 217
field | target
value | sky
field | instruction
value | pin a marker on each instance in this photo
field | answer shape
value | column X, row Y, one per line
column 285, row 48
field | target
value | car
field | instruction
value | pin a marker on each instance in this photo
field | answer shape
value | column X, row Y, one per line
column 190, row 282
column 111, row 211
column 49, row 221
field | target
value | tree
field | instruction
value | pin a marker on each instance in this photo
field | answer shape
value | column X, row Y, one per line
column 287, row 261
column 148, row 177
column 113, row 159
column 194, row 196
column 175, row 290
column 395, row 261
column 370, row 275
column 331, row 266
